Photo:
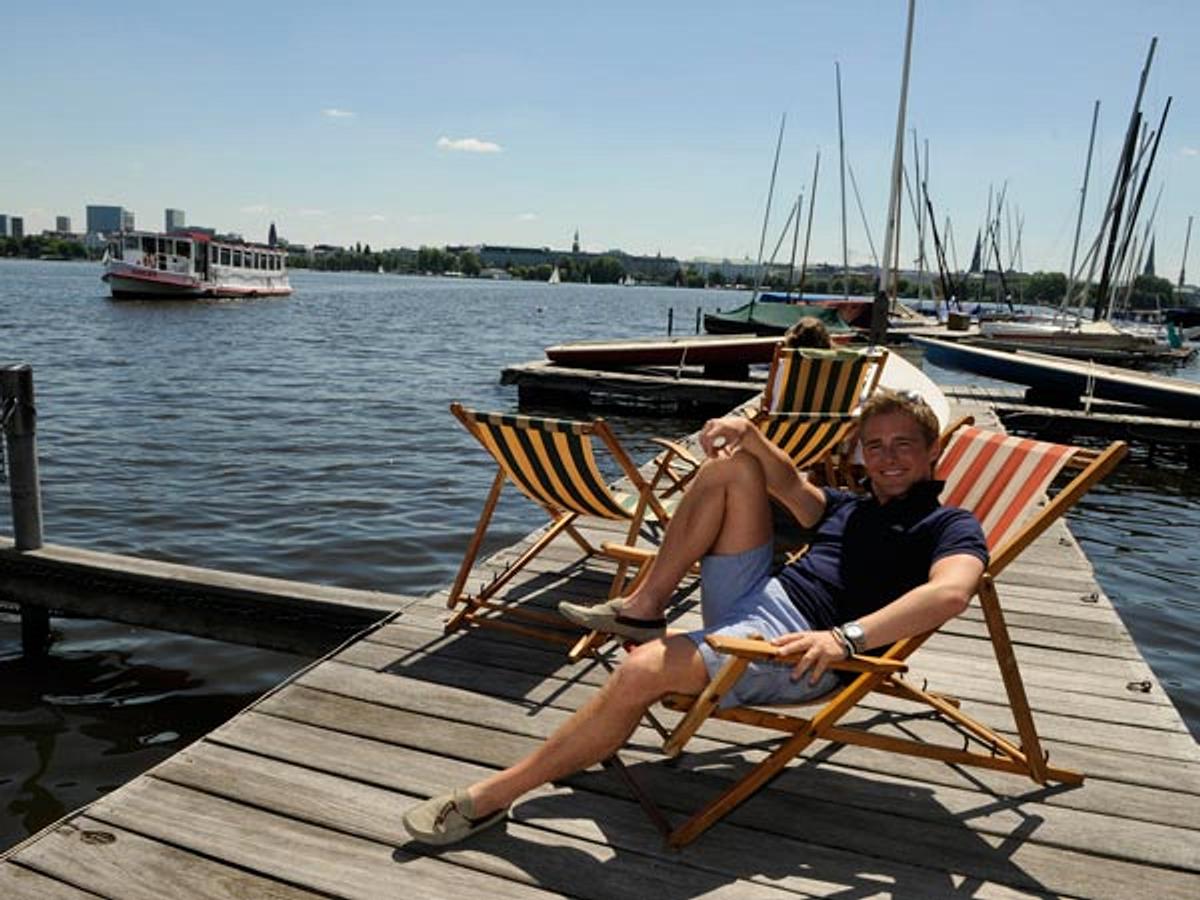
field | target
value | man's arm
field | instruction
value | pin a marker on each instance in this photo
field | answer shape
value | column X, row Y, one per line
column 784, row 482
column 952, row 582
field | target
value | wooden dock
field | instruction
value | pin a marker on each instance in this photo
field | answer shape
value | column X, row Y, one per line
column 301, row 794
column 685, row 390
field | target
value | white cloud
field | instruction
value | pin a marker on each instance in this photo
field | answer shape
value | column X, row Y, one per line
column 312, row 212
column 377, row 217
column 1190, row 151
column 255, row 208
column 468, row 145
column 527, row 217
column 334, row 113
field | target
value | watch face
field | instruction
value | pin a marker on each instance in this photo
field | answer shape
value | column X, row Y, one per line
column 855, row 633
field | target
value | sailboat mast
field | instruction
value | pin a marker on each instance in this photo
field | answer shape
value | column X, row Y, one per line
column 762, row 240
column 879, row 311
column 1183, row 265
column 1087, row 169
column 812, row 202
column 795, row 241
column 1123, row 174
column 842, row 156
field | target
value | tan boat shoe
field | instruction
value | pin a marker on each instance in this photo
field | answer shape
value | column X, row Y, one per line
column 607, row 617
column 448, row 819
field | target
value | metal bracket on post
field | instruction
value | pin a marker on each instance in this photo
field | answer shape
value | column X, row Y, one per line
column 20, row 439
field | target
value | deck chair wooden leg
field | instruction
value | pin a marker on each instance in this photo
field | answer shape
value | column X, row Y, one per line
column 476, row 602
column 776, row 762
column 485, row 517
column 704, row 704
column 989, row 602
column 615, row 765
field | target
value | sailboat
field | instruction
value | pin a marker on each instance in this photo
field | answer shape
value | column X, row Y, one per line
column 555, row 277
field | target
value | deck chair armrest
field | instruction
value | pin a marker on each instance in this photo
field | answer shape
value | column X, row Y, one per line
column 625, row 553
column 757, row 650
column 676, row 449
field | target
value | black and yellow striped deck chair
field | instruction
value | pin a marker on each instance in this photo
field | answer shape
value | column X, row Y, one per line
column 809, row 403
column 551, row 461
column 808, row 409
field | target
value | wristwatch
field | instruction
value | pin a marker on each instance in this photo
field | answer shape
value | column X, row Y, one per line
column 855, row 635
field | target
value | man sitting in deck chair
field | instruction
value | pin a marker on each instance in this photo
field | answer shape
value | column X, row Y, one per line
column 884, row 565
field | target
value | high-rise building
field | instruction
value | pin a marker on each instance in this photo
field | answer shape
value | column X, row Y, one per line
column 105, row 219
column 17, row 226
column 174, row 219
column 3, row 226
column 62, row 224
column 126, row 220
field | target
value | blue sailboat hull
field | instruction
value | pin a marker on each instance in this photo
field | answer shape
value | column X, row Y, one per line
column 1069, row 378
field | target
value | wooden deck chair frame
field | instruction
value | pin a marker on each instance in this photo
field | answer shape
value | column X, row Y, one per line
column 551, row 462
column 883, row 673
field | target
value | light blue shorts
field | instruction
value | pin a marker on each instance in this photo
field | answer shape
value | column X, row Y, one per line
column 740, row 597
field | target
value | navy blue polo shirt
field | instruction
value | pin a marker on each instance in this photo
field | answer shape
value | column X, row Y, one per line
column 864, row 555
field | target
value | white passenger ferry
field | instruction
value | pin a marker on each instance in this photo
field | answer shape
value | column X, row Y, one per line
column 144, row 265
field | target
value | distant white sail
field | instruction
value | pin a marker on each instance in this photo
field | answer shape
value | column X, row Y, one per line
column 555, row 277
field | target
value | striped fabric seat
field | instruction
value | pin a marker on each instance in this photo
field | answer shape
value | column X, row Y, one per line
column 553, row 463
column 805, row 437
column 817, row 381
column 998, row 477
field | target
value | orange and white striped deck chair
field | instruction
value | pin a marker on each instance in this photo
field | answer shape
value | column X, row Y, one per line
column 1003, row 481
column 550, row 461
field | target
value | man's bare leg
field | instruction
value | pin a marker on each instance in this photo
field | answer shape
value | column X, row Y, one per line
column 603, row 724
column 725, row 510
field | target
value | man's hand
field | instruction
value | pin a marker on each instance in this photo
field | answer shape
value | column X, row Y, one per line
column 720, row 437
column 815, row 649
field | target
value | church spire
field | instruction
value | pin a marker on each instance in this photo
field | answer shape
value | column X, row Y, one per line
column 575, row 243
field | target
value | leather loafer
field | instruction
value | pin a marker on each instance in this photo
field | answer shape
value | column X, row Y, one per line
column 606, row 617
column 448, row 819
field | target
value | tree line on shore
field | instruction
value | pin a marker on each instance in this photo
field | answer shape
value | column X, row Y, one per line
column 36, row 246
column 1149, row 291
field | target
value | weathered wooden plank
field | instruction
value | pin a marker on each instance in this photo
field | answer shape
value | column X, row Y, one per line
column 19, row 883
column 530, row 695
column 442, row 735
column 1053, row 724
column 981, row 683
column 888, row 799
column 307, row 855
column 356, row 806
column 119, row 863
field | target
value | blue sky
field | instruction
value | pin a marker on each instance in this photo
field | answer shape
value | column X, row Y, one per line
column 649, row 126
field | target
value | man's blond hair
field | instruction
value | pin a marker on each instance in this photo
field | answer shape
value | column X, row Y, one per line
column 910, row 403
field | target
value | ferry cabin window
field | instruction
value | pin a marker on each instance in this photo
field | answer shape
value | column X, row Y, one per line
column 237, row 257
column 184, row 249
column 225, row 256
column 148, row 245
column 131, row 242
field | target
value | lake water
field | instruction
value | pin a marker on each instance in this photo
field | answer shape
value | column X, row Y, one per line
column 309, row 438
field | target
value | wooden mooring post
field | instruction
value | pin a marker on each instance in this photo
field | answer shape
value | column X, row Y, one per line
column 18, row 417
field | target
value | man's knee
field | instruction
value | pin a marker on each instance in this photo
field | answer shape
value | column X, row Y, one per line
column 659, row 668
column 738, row 470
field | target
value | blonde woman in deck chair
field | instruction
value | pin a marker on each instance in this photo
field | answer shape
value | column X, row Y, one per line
column 884, row 565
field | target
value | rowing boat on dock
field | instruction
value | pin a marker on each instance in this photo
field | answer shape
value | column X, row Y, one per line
column 672, row 351
column 1068, row 379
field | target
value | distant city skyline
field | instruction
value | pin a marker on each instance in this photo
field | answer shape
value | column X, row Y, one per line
column 650, row 128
